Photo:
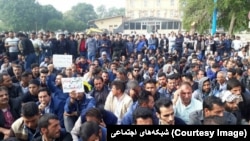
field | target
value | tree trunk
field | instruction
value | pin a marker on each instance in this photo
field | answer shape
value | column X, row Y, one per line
column 233, row 18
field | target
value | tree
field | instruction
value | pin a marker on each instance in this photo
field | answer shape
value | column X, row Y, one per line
column 81, row 12
column 48, row 12
column 55, row 24
column 195, row 11
column 101, row 11
column 232, row 14
column 113, row 11
column 19, row 14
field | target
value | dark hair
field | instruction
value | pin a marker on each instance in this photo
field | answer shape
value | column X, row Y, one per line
column 149, row 81
column 1, row 76
column 171, row 77
column 98, row 78
column 43, row 121
column 94, row 112
column 162, row 74
column 29, row 109
column 35, row 82
column 144, row 97
column 89, row 128
column 62, row 74
column 142, row 112
column 44, row 70
column 232, row 83
column 34, row 65
column 210, row 101
column 239, row 71
column 214, row 120
column 44, row 89
column 232, row 70
column 17, row 66
column 162, row 102
column 119, row 85
column 188, row 76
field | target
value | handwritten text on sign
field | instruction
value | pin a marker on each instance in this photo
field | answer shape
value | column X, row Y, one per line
column 62, row 60
column 72, row 84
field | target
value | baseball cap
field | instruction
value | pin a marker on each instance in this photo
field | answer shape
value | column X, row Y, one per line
column 228, row 96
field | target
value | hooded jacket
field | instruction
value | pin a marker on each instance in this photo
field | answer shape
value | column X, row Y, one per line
column 199, row 94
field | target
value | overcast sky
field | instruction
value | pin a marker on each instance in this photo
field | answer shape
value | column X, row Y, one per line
column 65, row 5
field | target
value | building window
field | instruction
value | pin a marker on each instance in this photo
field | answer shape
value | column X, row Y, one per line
column 138, row 26
column 115, row 25
column 170, row 25
column 164, row 25
column 132, row 25
column 176, row 25
column 144, row 26
column 145, row 2
column 126, row 25
column 172, row 2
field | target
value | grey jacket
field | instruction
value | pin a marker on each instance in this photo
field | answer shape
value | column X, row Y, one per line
column 197, row 117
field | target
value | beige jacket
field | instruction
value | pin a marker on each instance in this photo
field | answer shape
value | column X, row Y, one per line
column 111, row 104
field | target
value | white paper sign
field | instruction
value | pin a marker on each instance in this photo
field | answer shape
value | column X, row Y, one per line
column 62, row 60
column 72, row 84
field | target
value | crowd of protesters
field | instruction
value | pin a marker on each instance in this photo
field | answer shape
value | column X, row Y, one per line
column 166, row 79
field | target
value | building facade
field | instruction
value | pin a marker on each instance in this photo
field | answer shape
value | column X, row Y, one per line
column 168, row 9
column 144, row 16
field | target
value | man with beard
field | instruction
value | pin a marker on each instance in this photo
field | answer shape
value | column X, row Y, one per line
column 100, row 91
column 49, row 126
column 231, row 102
column 204, row 89
column 165, row 113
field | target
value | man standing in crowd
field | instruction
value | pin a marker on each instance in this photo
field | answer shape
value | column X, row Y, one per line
column 28, row 51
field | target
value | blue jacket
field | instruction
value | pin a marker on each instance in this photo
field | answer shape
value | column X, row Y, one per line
column 55, row 107
column 56, row 90
column 128, row 117
column 107, row 48
column 108, row 117
column 81, row 106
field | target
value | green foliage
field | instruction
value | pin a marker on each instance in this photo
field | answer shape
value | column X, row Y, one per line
column 198, row 12
column 103, row 12
column 28, row 15
column 54, row 24
column 201, row 12
column 82, row 12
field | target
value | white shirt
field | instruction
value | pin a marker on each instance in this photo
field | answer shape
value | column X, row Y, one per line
column 13, row 42
column 183, row 111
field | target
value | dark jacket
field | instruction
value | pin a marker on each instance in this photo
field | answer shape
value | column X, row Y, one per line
column 62, row 47
column 28, row 47
column 55, row 107
column 64, row 136
column 15, row 111
column 197, row 117
column 15, row 91
column 100, row 96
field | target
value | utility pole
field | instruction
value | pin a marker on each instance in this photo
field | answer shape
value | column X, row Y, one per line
column 214, row 21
